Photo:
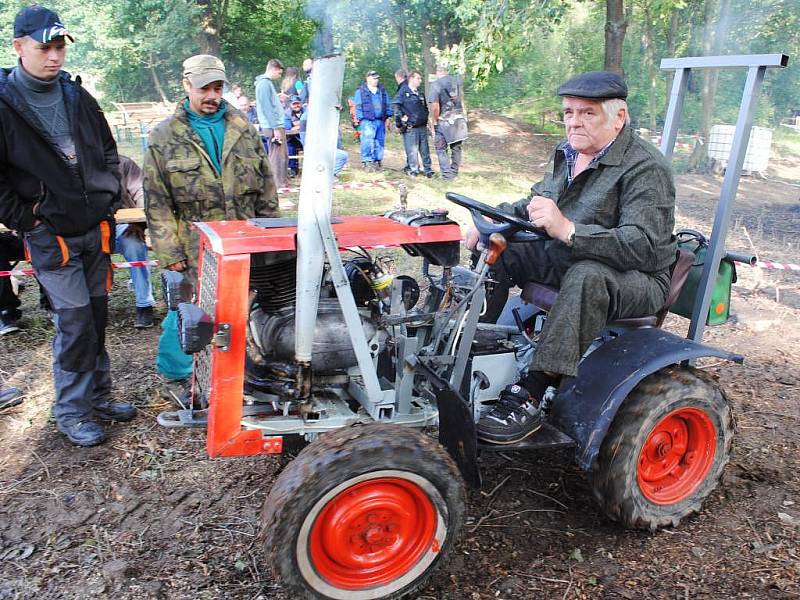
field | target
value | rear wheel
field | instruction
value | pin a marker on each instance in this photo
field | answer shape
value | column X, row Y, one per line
column 364, row 512
column 665, row 451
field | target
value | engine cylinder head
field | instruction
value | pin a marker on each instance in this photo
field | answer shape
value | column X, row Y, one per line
column 272, row 276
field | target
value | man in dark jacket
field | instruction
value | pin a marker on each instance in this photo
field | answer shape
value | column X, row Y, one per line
column 59, row 186
column 411, row 116
column 372, row 111
column 607, row 201
column 446, row 99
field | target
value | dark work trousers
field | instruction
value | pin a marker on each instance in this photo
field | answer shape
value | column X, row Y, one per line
column 75, row 273
column 448, row 164
column 278, row 157
column 590, row 295
column 10, row 251
column 415, row 142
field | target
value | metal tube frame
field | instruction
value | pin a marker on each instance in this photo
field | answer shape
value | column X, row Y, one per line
column 757, row 65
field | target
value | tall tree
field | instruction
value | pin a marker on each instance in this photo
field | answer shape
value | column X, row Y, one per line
column 615, row 35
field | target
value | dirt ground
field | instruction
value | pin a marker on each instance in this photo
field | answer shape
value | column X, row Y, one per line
column 148, row 515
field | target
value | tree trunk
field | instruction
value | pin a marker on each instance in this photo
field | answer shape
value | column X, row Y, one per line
column 208, row 39
column 402, row 43
column 615, row 35
column 156, row 81
column 649, row 58
column 672, row 43
column 430, row 63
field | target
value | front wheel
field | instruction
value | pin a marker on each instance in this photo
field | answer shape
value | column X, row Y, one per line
column 364, row 512
column 665, row 451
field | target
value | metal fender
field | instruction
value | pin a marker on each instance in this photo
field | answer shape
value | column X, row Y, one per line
column 586, row 407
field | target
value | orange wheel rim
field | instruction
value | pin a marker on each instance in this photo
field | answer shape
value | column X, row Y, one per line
column 372, row 533
column 677, row 456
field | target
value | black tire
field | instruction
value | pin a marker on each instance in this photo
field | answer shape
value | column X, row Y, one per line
column 632, row 483
column 338, row 471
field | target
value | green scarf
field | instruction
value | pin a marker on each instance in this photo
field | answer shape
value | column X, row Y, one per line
column 211, row 129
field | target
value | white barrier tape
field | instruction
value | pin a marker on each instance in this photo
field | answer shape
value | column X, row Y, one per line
column 355, row 185
column 118, row 265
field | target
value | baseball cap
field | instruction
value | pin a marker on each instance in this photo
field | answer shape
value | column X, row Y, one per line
column 595, row 85
column 373, row 74
column 40, row 23
column 294, row 99
column 203, row 69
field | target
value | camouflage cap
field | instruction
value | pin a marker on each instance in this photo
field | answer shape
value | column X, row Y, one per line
column 203, row 69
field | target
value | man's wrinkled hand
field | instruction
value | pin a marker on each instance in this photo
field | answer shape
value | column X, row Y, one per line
column 134, row 230
column 544, row 214
column 179, row 266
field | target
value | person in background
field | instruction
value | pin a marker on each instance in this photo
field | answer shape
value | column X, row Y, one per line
column 411, row 116
column 249, row 109
column 373, row 110
column 293, row 143
column 340, row 159
column 400, row 76
column 131, row 243
column 59, row 188
column 11, row 251
column 446, row 101
column 271, row 121
column 233, row 95
column 290, row 86
column 308, row 64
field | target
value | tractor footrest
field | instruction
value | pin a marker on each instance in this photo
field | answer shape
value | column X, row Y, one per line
column 547, row 437
column 183, row 418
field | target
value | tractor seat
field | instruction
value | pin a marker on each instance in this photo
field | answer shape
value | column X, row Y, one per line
column 544, row 296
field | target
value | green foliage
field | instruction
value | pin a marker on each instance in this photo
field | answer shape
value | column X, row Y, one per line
column 516, row 52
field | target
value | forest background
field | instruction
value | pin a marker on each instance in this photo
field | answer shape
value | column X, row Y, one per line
column 513, row 53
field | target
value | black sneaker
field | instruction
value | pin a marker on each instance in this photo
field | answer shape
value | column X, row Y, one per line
column 8, row 325
column 114, row 411
column 430, row 174
column 512, row 419
column 9, row 397
column 144, row 317
column 84, row 433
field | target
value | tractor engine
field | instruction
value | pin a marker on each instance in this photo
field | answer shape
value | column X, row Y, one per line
column 271, row 323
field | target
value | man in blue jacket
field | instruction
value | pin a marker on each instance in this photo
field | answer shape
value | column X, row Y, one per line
column 373, row 108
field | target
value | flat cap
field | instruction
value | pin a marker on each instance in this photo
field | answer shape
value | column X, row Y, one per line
column 203, row 69
column 596, row 85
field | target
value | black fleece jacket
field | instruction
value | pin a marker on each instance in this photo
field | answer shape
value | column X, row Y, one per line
column 33, row 169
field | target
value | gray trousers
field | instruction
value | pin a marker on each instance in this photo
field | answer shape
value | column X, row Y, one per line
column 415, row 142
column 448, row 164
column 591, row 294
column 74, row 273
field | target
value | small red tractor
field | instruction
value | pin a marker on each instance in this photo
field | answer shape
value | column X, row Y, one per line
column 301, row 334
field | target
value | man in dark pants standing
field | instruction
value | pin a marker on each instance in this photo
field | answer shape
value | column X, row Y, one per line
column 411, row 116
column 60, row 192
column 607, row 201
column 446, row 100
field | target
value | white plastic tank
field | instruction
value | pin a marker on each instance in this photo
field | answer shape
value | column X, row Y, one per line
column 720, row 142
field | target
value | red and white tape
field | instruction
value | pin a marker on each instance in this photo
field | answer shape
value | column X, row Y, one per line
column 768, row 264
column 354, row 185
column 117, row 265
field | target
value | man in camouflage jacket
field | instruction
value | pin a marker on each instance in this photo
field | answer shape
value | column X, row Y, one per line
column 205, row 163
column 607, row 202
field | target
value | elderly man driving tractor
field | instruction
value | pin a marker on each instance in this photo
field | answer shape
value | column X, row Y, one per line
column 607, row 201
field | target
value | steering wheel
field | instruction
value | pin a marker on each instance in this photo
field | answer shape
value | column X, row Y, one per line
column 512, row 228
